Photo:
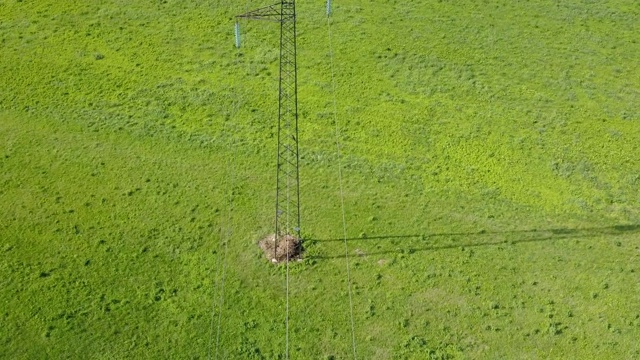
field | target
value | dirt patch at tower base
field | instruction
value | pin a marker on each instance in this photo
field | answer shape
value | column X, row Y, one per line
column 287, row 248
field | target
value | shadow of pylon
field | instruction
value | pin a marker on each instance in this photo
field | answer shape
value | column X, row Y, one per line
column 525, row 236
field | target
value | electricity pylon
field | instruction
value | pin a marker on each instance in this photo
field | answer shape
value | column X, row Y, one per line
column 287, row 214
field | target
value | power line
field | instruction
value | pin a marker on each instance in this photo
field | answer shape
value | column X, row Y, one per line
column 213, row 307
column 221, row 266
column 287, row 304
column 221, row 278
column 344, row 220
column 226, row 242
column 225, row 236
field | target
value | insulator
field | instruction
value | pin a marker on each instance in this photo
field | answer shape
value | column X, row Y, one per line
column 237, row 35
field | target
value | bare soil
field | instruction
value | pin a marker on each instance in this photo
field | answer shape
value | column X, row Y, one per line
column 288, row 247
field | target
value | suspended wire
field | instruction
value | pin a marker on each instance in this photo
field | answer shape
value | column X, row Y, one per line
column 231, row 170
column 287, row 304
column 286, row 278
column 213, row 305
column 226, row 242
column 225, row 236
column 289, row 110
column 339, row 151
column 288, row 236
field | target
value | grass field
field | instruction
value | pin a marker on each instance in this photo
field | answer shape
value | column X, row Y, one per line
column 490, row 163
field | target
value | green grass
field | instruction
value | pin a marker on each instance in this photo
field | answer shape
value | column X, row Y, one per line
column 490, row 179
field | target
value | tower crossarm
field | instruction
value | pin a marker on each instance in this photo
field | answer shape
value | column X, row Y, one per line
column 269, row 13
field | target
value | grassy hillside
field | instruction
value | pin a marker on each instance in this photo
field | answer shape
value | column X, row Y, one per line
column 490, row 178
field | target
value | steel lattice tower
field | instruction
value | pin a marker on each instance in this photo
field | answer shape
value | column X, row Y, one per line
column 287, row 216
